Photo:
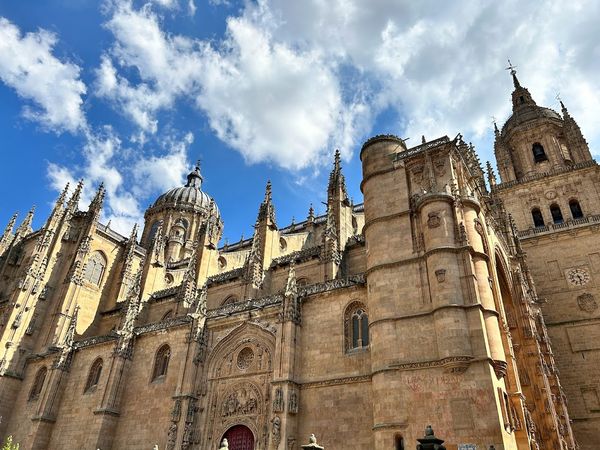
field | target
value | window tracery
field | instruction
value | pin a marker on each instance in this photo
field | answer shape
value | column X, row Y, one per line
column 161, row 362
column 38, row 384
column 356, row 326
column 94, row 269
column 94, row 375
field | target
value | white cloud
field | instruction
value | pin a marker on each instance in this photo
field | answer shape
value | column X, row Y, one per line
column 191, row 7
column 160, row 173
column 167, row 65
column 28, row 65
column 440, row 65
column 130, row 177
column 271, row 102
column 268, row 100
column 277, row 86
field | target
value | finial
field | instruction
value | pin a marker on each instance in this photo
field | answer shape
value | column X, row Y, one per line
column 513, row 72
column 134, row 232
column 25, row 227
column 311, row 213
column 73, row 202
column 491, row 175
column 98, row 199
column 337, row 160
column 63, row 195
column 423, row 140
column 268, row 192
column 11, row 224
column 194, row 178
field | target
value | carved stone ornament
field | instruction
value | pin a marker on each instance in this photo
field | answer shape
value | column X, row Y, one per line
column 433, row 220
column 245, row 358
column 238, row 403
column 293, row 402
column 278, row 400
column 172, row 436
column 440, row 274
column 587, row 302
column 276, row 430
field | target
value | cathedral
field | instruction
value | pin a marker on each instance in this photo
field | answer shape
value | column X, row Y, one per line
column 449, row 298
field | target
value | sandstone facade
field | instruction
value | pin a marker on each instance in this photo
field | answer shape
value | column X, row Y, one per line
column 360, row 326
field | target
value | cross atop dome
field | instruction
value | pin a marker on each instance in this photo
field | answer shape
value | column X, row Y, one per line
column 513, row 72
column 194, row 178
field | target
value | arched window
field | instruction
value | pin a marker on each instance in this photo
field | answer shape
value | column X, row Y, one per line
column 38, row 384
column 538, row 219
column 94, row 269
column 576, row 211
column 557, row 216
column 398, row 442
column 167, row 315
column 356, row 326
column 93, row 376
column 229, row 300
column 539, row 154
column 161, row 362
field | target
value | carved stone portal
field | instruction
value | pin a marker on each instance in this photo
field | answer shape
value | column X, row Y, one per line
column 587, row 302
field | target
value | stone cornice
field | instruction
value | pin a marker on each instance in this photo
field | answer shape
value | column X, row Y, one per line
column 298, row 256
column 225, row 276
column 335, row 382
column 421, row 148
column 244, row 306
column 569, row 225
column 330, row 285
column 543, row 175
column 95, row 340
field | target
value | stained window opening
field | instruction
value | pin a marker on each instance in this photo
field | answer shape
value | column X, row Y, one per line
column 539, row 154
column 557, row 216
column 538, row 219
column 576, row 211
column 161, row 362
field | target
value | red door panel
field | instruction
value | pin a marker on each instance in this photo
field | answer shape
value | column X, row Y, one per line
column 240, row 437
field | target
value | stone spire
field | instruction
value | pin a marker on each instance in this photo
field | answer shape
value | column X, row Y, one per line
column 266, row 212
column 130, row 251
column 311, row 214
column 337, row 183
column 73, row 203
column 97, row 202
column 25, row 227
column 7, row 236
column 574, row 137
column 491, row 175
column 520, row 96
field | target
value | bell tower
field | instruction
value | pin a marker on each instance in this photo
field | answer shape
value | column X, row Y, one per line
column 550, row 186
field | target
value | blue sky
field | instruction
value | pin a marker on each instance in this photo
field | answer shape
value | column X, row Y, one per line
column 131, row 93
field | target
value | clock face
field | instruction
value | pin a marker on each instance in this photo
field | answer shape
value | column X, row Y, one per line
column 578, row 277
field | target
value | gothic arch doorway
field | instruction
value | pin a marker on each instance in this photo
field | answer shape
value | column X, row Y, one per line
column 239, row 437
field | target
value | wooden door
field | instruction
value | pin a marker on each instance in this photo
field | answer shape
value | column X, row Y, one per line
column 240, row 437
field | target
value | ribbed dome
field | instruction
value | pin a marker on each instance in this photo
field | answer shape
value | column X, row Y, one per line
column 529, row 112
column 189, row 195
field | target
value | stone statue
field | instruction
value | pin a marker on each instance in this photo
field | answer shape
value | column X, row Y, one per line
column 224, row 445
